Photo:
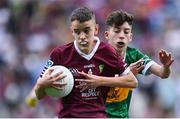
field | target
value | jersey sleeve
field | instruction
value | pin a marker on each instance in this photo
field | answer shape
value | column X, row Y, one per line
column 122, row 66
column 147, row 62
column 52, row 60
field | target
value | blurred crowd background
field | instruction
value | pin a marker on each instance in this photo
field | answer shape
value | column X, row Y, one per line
column 29, row 29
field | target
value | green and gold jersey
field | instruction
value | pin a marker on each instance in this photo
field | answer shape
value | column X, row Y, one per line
column 118, row 99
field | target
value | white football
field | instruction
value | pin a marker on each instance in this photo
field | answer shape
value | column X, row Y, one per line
column 69, row 80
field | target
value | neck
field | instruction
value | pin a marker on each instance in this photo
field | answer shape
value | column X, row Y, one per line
column 122, row 52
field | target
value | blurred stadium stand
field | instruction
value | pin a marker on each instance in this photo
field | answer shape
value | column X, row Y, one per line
column 29, row 29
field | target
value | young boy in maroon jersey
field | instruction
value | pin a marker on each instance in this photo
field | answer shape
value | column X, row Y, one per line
column 86, row 54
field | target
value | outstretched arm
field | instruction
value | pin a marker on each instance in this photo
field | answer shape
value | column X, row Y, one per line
column 163, row 70
column 91, row 81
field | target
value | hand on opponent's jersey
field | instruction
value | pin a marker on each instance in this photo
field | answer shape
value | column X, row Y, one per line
column 90, row 81
column 136, row 67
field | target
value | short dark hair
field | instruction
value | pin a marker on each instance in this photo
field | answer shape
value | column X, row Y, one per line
column 117, row 18
column 82, row 14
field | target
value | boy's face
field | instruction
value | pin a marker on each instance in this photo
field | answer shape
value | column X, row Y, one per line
column 84, row 33
column 119, row 36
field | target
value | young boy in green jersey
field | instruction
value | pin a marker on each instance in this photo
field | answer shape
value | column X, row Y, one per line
column 119, row 34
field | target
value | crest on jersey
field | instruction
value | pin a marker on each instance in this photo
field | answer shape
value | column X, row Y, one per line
column 49, row 63
column 101, row 67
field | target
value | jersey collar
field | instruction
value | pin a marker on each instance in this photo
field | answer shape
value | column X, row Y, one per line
column 88, row 56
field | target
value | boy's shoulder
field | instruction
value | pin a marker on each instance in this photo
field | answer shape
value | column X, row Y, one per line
column 132, row 50
column 63, row 48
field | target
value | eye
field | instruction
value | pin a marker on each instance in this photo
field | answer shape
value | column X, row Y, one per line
column 126, row 32
column 86, row 31
column 77, row 31
column 116, row 31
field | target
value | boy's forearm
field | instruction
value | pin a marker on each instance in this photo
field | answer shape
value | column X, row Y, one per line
column 165, row 72
column 126, row 81
column 39, row 91
column 161, row 71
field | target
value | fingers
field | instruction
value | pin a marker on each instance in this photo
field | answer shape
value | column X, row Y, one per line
column 170, row 57
column 170, row 62
column 83, row 74
column 49, row 70
column 137, row 64
column 140, row 61
column 140, row 68
column 81, row 85
column 160, row 54
column 58, row 85
column 84, row 88
column 85, row 81
column 81, row 80
column 163, row 53
column 165, row 58
column 136, row 70
column 84, row 84
column 59, row 76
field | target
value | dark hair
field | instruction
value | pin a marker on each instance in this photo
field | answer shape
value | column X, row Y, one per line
column 82, row 14
column 117, row 18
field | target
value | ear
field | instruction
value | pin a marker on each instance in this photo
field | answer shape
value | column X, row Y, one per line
column 96, row 29
column 131, row 36
column 106, row 34
column 71, row 29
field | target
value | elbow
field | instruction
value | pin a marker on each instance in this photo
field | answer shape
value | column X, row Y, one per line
column 134, row 83
column 164, row 77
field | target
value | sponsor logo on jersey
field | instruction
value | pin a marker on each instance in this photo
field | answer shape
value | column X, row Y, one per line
column 90, row 94
column 89, row 66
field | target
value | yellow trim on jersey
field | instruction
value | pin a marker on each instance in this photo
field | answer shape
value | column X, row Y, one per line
column 117, row 94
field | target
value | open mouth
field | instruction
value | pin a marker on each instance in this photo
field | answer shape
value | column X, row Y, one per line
column 120, row 44
column 83, row 43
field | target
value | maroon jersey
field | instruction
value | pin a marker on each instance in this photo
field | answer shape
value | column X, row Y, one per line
column 102, row 61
